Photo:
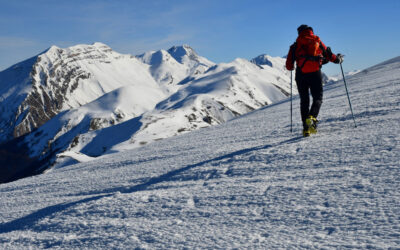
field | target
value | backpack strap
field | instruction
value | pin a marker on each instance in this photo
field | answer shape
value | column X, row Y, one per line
column 313, row 58
column 324, row 51
column 310, row 58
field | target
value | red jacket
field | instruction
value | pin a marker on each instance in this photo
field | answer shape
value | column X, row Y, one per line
column 309, row 52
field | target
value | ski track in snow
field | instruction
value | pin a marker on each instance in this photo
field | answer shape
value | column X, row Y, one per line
column 248, row 183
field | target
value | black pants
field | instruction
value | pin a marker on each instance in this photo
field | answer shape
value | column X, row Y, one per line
column 307, row 82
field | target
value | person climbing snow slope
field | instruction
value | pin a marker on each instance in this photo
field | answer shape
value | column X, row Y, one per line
column 309, row 53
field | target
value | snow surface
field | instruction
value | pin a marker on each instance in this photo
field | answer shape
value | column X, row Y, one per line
column 220, row 94
column 108, row 71
column 69, row 78
column 339, row 76
column 15, row 84
column 248, row 183
column 170, row 67
column 122, row 102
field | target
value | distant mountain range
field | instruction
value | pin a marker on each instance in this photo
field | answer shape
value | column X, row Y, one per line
column 69, row 105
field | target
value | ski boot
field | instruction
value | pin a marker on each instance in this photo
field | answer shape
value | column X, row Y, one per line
column 312, row 123
column 306, row 132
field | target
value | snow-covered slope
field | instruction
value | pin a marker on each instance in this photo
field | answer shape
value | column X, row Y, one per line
column 247, row 183
column 278, row 63
column 69, row 105
column 34, row 91
column 15, row 85
column 339, row 76
column 69, row 128
column 49, row 100
column 223, row 92
column 170, row 67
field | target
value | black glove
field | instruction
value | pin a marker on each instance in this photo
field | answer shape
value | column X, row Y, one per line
column 328, row 52
column 339, row 58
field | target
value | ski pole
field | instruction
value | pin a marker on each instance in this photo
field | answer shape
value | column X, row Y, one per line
column 291, row 106
column 348, row 97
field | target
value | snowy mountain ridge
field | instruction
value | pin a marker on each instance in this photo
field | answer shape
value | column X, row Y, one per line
column 170, row 67
column 68, row 105
column 248, row 183
column 63, row 79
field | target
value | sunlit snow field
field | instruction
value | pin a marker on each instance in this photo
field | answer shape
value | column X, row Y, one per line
column 248, row 183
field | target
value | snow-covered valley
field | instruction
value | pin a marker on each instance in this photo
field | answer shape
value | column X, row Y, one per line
column 246, row 183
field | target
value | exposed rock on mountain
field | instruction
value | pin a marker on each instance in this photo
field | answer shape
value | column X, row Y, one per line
column 69, row 105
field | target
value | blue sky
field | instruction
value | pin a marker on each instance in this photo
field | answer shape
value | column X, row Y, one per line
column 367, row 32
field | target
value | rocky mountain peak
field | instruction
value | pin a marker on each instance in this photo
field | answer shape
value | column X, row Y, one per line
column 262, row 60
column 180, row 52
column 59, row 79
column 78, row 52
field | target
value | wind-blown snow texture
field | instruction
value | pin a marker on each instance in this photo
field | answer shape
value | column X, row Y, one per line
column 247, row 183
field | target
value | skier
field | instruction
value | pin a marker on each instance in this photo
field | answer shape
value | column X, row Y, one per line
column 310, row 54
